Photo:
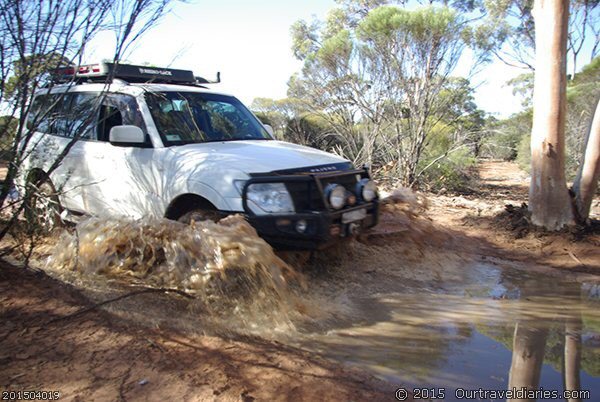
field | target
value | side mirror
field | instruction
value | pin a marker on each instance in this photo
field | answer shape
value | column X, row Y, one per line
column 269, row 129
column 126, row 135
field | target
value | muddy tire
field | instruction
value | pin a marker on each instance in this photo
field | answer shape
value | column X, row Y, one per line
column 199, row 215
column 42, row 206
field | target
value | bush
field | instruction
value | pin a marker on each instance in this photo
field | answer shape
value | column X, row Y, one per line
column 506, row 136
column 8, row 127
column 524, row 153
column 452, row 173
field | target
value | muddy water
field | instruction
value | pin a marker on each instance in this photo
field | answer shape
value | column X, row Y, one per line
column 413, row 314
column 435, row 319
column 228, row 275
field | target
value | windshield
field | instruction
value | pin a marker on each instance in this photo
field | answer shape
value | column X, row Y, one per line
column 192, row 117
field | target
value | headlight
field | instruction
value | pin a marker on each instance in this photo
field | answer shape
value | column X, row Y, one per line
column 269, row 198
column 367, row 189
column 336, row 195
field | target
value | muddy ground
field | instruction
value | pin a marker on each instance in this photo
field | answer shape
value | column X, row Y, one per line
column 54, row 336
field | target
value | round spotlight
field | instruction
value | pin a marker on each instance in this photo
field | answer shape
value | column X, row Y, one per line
column 301, row 226
column 367, row 189
column 336, row 195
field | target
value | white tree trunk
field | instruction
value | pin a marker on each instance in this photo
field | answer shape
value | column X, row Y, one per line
column 549, row 200
column 586, row 183
column 529, row 344
column 572, row 356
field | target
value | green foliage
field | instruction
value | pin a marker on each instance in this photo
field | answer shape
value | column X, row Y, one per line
column 33, row 68
column 505, row 137
column 336, row 51
column 445, row 164
column 523, row 86
column 311, row 130
column 8, row 130
column 524, row 153
column 449, row 174
column 304, row 38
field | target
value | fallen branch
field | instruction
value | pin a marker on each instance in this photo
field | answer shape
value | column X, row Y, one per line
column 574, row 257
column 127, row 295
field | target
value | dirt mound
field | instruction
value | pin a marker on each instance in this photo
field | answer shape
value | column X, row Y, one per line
column 517, row 221
column 514, row 219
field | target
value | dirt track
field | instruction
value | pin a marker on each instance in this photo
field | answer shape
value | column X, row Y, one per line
column 94, row 356
column 99, row 356
column 496, row 215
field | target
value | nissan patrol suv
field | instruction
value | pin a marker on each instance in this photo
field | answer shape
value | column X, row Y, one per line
column 149, row 142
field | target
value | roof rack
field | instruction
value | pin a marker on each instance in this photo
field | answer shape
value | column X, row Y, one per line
column 130, row 73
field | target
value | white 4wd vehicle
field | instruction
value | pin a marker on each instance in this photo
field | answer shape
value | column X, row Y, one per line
column 155, row 142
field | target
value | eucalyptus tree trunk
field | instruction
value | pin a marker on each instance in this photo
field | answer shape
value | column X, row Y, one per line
column 586, row 183
column 572, row 355
column 549, row 200
column 529, row 345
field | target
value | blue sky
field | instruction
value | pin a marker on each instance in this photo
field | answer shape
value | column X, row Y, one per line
column 249, row 43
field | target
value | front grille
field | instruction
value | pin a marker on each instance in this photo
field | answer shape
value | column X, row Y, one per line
column 307, row 195
column 307, row 187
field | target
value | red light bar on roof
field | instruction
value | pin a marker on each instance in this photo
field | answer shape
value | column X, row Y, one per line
column 89, row 70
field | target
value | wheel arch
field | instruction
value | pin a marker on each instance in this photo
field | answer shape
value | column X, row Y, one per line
column 36, row 174
column 186, row 202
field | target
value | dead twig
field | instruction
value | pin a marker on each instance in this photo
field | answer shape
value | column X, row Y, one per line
column 121, row 297
column 574, row 257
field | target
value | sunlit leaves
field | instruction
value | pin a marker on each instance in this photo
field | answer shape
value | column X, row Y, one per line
column 304, row 38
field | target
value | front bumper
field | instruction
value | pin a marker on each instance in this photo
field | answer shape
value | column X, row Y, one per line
column 323, row 229
column 323, row 226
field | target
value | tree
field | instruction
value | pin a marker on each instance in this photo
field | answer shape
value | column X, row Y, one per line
column 549, row 200
column 36, row 37
column 586, row 182
column 529, row 344
column 512, row 22
column 374, row 74
column 583, row 91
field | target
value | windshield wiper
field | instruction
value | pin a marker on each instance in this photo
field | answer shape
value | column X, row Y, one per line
column 238, row 139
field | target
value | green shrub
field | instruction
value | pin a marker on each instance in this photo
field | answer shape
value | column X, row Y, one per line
column 506, row 136
column 524, row 153
column 452, row 173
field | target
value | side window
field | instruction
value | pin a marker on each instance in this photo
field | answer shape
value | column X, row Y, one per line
column 81, row 114
column 75, row 115
column 43, row 110
column 117, row 110
column 67, row 115
column 110, row 117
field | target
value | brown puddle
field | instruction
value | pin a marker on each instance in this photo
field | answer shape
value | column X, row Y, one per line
column 414, row 315
column 440, row 320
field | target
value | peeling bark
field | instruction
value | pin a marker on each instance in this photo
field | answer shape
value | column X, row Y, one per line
column 549, row 200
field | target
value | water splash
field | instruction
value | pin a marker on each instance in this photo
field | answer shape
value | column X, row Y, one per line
column 226, row 266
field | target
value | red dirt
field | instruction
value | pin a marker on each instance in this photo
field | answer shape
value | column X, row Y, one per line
column 494, row 221
column 98, row 357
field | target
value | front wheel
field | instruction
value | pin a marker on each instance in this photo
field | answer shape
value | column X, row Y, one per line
column 42, row 206
column 199, row 215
